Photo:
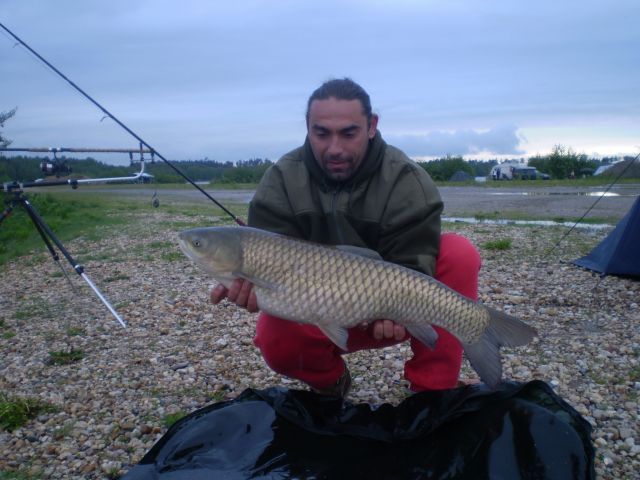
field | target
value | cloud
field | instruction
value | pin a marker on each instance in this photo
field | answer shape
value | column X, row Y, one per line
column 500, row 140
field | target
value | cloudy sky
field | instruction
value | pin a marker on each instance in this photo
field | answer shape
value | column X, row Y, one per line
column 229, row 80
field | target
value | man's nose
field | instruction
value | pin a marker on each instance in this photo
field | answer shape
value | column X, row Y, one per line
column 335, row 146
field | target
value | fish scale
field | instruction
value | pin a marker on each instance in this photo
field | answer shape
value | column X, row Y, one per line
column 336, row 289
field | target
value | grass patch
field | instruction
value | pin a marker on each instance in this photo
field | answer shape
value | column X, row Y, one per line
column 22, row 474
column 160, row 245
column 67, row 216
column 95, row 215
column 172, row 418
column 172, row 256
column 217, row 396
column 8, row 335
column 62, row 357
column 75, row 331
column 500, row 244
column 116, row 277
column 17, row 411
column 37, row 308
column 63, row 431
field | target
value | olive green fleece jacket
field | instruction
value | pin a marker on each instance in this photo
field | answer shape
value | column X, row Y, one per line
column 389, row 205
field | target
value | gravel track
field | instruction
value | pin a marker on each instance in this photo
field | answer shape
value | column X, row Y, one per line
column 181, row 353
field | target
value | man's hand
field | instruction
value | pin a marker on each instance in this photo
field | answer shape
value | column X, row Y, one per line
column 386, row 329
column 241, row 293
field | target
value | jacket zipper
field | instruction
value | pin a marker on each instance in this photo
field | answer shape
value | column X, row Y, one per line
column 334, row 213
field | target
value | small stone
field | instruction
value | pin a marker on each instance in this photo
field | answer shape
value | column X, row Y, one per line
column 180, row 366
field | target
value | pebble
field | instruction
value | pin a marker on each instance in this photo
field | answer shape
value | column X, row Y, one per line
column 181, row 353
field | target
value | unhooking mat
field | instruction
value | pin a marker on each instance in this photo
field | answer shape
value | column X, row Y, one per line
column 518, row 431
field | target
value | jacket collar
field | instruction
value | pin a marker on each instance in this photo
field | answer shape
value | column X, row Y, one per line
column 370, row 164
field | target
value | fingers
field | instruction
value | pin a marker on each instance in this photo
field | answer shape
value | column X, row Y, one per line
column 218, row 293
column 252, row 302
column 386, row 329
column 240, row 292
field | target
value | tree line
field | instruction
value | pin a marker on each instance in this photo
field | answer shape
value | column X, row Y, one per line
column 442, row 169
column 23, row 169
column 561, row 163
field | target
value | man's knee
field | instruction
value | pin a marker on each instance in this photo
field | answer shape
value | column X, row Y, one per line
column 276, row 346
column 458, row 264
column 459, row 251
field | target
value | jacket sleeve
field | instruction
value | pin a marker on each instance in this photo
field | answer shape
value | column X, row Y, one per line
column 410, row 227
column 270, row 208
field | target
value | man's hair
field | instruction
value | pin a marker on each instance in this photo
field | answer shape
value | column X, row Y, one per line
column 342, row 89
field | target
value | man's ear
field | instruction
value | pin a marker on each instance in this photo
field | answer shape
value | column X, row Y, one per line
column 373, row 126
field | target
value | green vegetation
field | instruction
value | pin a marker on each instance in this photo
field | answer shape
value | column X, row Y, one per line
column 75, row 331
column 16, row 411
column 21, row 474
column 172, row 418
column 62, row 357
column 34, row 308
column 67, row 217
column 442, row 169
column 4, row 116
column 564, row 163
column 22, row 168
column 6, row 333
column 93, row 216
column 500, row 244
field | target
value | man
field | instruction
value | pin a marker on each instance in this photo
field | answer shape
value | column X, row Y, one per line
column 346, row 186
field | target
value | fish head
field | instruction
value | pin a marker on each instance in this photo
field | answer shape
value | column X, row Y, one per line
column 217, row 250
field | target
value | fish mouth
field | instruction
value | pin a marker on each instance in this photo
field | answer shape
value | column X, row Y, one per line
column 183, row 243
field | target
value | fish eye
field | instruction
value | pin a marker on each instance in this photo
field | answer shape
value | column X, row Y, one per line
column 197, row 243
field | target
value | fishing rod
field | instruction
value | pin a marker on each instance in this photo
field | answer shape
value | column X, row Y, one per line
column 50, row 239
column 56, row 167
column 609, row 187
column 121, row 124
column 16, row 189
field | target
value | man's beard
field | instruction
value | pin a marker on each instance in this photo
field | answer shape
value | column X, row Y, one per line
column 338, row 168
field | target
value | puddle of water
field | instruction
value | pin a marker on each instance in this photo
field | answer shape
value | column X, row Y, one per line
column 542, row 194
column 543, row 223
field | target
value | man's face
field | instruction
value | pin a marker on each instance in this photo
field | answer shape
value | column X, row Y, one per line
column 339, row 135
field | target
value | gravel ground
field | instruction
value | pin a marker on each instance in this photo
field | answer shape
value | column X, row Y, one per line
column 181, row 353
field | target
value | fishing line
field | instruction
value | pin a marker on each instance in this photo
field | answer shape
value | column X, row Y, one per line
column 592, row 206
column 121, row 124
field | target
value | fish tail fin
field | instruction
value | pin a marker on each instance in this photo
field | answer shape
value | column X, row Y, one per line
column 502, row 330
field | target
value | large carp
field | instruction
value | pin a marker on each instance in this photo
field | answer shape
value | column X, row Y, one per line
column 336, row 288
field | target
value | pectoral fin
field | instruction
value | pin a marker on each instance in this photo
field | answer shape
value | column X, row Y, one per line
column 425, row 333
column 256, row 281
column 336, row 334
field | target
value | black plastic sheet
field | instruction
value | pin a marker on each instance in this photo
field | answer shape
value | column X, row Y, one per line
column 519, row 431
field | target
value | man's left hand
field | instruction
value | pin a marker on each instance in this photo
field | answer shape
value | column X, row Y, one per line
column 386, row 329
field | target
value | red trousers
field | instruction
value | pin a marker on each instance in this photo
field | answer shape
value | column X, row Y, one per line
column 303, row 352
